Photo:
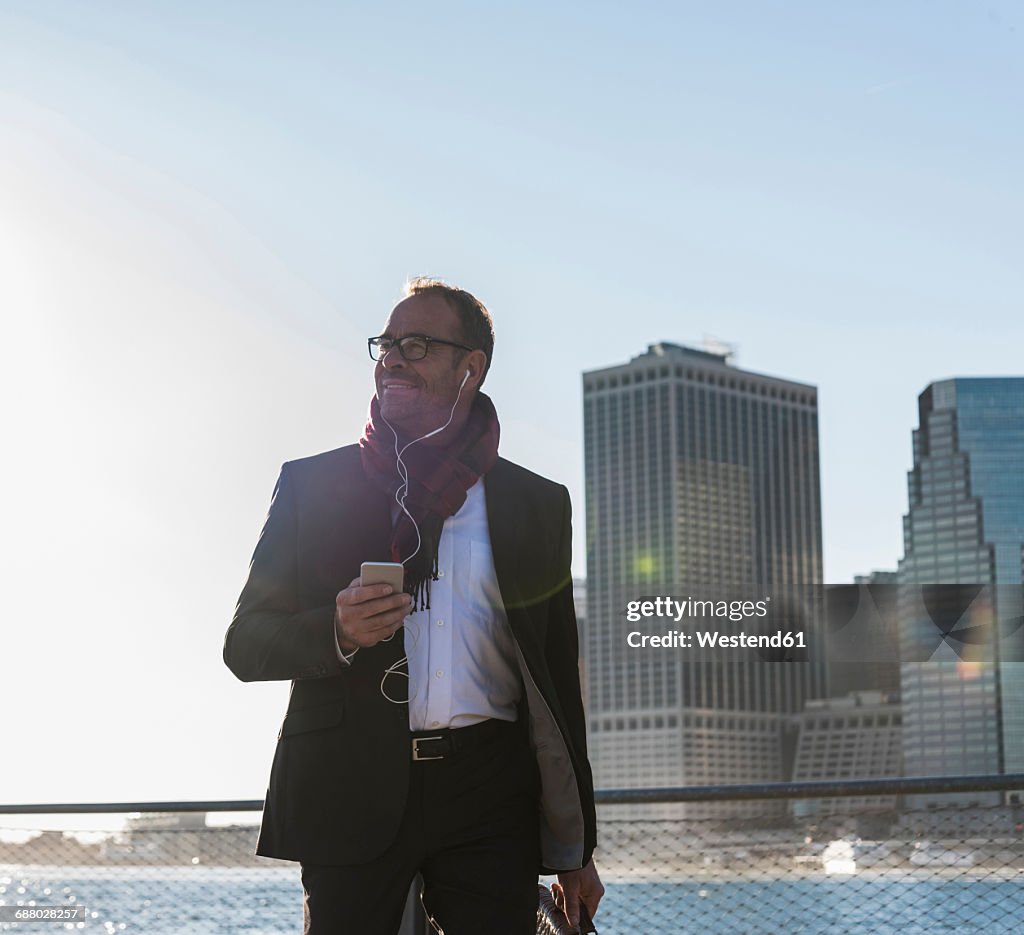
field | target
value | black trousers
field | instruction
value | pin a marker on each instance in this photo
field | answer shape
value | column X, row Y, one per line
column 470, row 827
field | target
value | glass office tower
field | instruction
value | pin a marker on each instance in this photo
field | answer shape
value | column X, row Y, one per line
column 964, row 706
column 699, row 475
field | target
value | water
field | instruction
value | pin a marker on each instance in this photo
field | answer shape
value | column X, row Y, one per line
column 821, row 906
column 161, row 900
column 232, row 901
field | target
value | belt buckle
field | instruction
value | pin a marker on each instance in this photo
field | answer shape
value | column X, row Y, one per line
column 416, row 750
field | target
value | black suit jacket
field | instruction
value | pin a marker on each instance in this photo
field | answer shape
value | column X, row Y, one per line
column 341, row 770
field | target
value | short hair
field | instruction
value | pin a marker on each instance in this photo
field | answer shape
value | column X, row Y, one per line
column 474, row 320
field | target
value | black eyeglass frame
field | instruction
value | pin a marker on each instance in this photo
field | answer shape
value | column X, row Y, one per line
column 375, row 343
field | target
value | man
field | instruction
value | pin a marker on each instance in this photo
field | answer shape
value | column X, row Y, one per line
column 438, row 730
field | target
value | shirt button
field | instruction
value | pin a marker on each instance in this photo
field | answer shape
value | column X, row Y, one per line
column 440, row 574
column 440, row 623
column 435, row 723
column 439, row 673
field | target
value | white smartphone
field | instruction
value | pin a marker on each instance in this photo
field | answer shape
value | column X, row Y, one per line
column 392, row 573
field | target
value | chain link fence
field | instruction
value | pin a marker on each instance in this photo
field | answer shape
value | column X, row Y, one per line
column 674, row 861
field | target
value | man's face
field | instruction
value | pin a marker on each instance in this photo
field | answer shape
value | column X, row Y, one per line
column 416, row 396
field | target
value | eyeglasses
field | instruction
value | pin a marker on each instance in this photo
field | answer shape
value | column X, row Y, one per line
column 411, row 347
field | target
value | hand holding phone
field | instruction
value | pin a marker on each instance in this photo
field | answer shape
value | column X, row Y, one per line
column 369, row 611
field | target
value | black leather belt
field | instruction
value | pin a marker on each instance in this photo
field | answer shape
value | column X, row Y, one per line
column 438, row 744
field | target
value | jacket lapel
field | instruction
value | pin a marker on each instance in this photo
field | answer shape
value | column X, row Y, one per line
column 506, row 525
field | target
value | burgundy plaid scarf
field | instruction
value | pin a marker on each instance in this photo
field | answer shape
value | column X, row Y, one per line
column 439, row 477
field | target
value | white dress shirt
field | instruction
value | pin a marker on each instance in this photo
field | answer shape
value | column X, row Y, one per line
column 462, row 661
column 461, row 656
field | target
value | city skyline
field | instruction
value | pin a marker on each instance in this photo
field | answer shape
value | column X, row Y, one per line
column 681, row 499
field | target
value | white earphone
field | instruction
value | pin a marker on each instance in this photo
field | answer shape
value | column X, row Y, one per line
column 400, row 495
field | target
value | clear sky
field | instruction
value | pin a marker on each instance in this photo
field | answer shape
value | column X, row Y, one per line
column 205, row 208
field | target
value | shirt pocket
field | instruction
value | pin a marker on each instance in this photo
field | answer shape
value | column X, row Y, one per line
column 482, row 590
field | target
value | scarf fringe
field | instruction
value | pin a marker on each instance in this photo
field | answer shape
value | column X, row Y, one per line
column 420, row 590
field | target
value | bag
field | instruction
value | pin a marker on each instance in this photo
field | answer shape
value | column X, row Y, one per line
column 551, row 920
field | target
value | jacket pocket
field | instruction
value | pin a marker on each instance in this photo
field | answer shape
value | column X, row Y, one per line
column 308, row 719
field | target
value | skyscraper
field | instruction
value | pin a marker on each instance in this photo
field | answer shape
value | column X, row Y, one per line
column 964, row 712
column 699, row 475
